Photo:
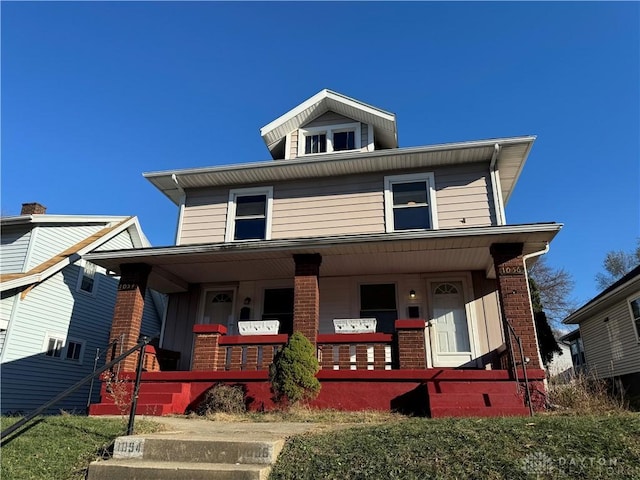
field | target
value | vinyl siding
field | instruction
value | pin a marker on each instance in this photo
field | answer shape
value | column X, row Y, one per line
column 205, row 216
column 487, row 309
column 611, row 348
column 182, row 311
column 14, row 247
column 324, row 207
column 29, row 377
column 6, row 307
column 343, row 205
column 119, row 242
column 53, row 239
column 329, row 118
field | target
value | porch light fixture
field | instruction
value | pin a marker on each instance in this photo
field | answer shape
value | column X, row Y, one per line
column 412, row 294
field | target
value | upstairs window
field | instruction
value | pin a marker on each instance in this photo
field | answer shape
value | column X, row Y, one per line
column 333, row 138
column 75, row 349
column 316, row 143
column 87, row 278
column 410, row 202
column 249, row 214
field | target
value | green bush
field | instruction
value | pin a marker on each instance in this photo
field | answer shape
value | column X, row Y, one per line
column 292, row 373
column 223, row 398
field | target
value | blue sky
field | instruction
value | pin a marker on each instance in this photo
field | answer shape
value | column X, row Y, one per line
column 94, row 94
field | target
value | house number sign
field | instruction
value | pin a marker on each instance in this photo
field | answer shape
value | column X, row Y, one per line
column 502, row 271
column 123, row 287
column 126, row 447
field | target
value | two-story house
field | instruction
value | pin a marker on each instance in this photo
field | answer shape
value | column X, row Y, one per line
column 343, row 227
column 55, row 307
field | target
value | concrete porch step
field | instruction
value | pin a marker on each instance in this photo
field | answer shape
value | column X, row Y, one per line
column 153, row 470
column 208, row 450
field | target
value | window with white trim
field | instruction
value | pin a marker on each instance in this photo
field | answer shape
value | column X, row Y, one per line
column 87, row 279
column 330, row 138
column 249, row 214
column 54, row 346
column 74, row 350
column 634, row 306
column 410, row 202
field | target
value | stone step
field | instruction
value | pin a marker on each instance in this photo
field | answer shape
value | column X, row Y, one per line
column 198, row 449
column 135, row 469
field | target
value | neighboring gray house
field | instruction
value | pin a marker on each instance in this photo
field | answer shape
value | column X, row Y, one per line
column 55, row 308
column 610, row 331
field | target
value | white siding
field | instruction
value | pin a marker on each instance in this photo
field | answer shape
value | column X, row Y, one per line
column 119, row 242
column 13, row 250
column 53, row 239
column 611, row 348
column 6, row 307
column 29, row 378
column 329, row 118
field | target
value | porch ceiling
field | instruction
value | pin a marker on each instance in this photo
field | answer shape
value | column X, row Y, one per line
column 174, row 268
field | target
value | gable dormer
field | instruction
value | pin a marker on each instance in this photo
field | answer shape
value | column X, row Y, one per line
column 330, row 122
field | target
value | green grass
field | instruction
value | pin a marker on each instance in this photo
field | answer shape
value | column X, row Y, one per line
column 545, row 447
column 60, row 447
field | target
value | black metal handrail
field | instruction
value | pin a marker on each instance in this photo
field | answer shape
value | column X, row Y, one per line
column 523, row 363
column 143, row 342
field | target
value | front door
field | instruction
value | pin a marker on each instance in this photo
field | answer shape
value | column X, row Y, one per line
column 218, row 307
column 449, row 328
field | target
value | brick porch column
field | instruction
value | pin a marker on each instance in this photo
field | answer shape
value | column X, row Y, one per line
column 206, row 347
column 411, row 344
column 127, row 314
column 306, row 295
column 515, row 301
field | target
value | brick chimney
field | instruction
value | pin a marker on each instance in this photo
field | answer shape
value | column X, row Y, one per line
column 33, row 209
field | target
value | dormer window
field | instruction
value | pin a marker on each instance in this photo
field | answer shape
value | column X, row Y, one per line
column 330, row 138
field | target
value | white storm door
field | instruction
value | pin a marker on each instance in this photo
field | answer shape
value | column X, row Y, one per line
column 218, row 307
column 449, row 328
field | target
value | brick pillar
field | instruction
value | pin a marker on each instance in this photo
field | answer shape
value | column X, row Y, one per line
column 515, row 301
column 306, row 296
column 411, row 344
column 207, row 355
column 127, row 314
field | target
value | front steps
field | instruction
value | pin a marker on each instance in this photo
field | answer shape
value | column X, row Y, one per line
column 189, row 455
column 475, row 399
column 154, row 398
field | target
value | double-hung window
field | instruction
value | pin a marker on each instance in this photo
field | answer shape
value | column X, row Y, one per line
column 54, row 346
column 634, row 306
column 75, row 350
column 410, row 202
column 87, row 278
column 331, row 138
column 379, row 301
column 249, row 214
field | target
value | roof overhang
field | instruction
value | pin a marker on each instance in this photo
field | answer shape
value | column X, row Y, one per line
column 384, row 123
column 10, row 281
column 71, row 219
column 461, row 249
column 614, row 294
column 511, row 159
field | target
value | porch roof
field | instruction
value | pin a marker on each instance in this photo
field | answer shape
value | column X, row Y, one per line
column 460, row 249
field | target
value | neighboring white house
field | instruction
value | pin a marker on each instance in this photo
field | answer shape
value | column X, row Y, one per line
column 55, row 308
column 610, row 331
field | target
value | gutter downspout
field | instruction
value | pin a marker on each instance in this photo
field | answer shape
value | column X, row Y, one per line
column 495, row 186
column 526, row 271
column 183, row 198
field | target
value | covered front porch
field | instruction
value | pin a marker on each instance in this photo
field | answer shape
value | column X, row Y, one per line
column 430, row 309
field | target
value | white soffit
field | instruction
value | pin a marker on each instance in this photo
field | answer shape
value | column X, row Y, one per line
column 513, row 154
